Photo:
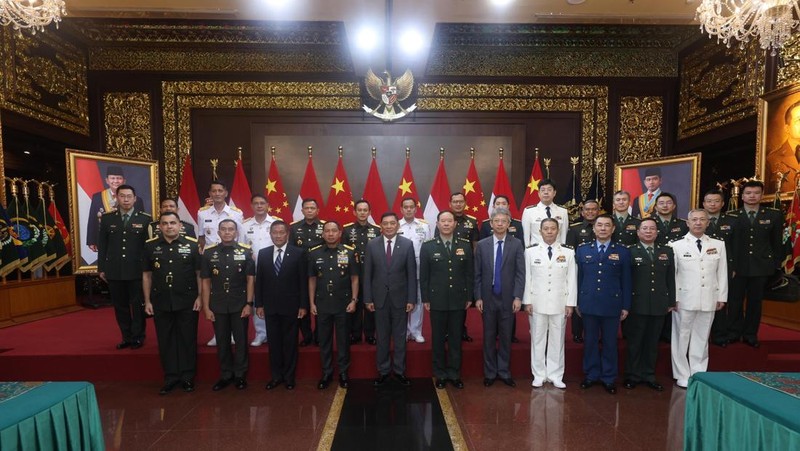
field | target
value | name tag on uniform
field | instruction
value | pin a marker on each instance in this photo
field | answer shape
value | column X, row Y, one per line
column 712, row 251
column 512, row 229
column 209, row 220
column 724, row 227
column 687, row 255
column 663, row 257
column 137, row 226
column 614, row 257
column 630, row 227
column 764, row 221
column 238, row 257
column 342, row 259
column 675, row 229
column 184, row 250
column 459, row 251
column 638, row 259
column 537, row 261
column 561, row 259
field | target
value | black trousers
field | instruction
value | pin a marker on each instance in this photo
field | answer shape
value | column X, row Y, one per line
column 362, row 321
column 743, row 322
column 326, row 323
column 282, row 346
column 577, row 326
column 445, row 328
column 304, row 324
column 128, row 300
column 227, row 324
column 176, row 332
column 641, row 334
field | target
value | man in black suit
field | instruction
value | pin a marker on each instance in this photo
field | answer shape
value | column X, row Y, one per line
column 281, row 296
column 390, row 290
column 499, row 286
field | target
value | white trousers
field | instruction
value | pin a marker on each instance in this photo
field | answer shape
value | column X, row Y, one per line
column 547, row 346
column 690, row 330
column 415, row 317
column 259, row 325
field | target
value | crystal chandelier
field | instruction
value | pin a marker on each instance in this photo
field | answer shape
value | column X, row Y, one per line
column 771, row 21
column 33, row 14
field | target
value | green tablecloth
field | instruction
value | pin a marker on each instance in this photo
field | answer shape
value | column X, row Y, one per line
column 725, row 411
column 53, row 415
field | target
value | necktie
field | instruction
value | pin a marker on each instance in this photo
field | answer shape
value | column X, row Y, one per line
column 699, row 245
column 125, row 219
column 447, row 245
column 278, row 262
column 713, row 221
column 548, row 212
column 389, row 253
column 752, row 215
column 602, row 250
column 498, row 263
column 650, row 253
column 797, row 152
column 649, row 197
column 550, row 252
column 620, row 220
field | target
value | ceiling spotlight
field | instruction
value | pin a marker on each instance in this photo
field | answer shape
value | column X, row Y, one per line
column 26, row 152
column 366, row 39
column 277, row 4
column 411, row 41
column 500, row 2
column 578, row 2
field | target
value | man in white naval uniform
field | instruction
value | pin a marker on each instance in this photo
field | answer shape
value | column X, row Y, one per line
column 256, row 234
column 209, row 217
column 701, row 281
column 546, row 208
column 551, row 282
column 418, row 231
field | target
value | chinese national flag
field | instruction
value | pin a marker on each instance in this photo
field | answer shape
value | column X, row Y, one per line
column 276, row 195
column 473, row 193
column 240, row 191
column 532, row 187
column 439, row 198
column 373, row 193
column 503, row 187
column 407, row 188
column 793, row 224
column 340, row 198
column 308, row 190
column 188, row 202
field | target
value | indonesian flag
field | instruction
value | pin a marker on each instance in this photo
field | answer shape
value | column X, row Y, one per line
column 340, row 198
column 276, row 195
column 532, row 191
column 632, row 183
column 439, row 198
column 308, row 190
column 188, row 202
column 240, row 191
column 407, row 188
column 473, row 194
column 503, row 187
column 793, row 228
column 89, row 182
column 373, row 193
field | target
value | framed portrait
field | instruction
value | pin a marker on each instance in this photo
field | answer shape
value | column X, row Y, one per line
column 645, row 180
column 778, row 141
column 92, row 180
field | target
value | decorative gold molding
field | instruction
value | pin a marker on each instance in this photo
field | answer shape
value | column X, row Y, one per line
column 789, row 71
column 127, row 124
column 2, row 168
column 44, row 77
column 719, row 86
column 589, row 100
column 640, row 132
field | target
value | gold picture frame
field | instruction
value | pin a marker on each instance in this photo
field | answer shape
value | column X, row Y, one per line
column 87, row 181
column 679, row 175
column 773, row 151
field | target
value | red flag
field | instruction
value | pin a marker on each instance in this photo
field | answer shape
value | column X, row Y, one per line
column 473, row 194
column 340, row 198
column 439, row 198
column 276, row 195
column 793, row 226
column 407, row 188
column 188, row 202
column 532, row 187
column 308, row 190
column 373, row 193
column 60, row 226
column 240, row 191
column 503, row 187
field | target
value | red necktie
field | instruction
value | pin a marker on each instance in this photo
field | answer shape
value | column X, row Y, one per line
column 649, row 197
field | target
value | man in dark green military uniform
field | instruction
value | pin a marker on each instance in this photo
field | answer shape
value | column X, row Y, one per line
column 170, row 205
column 719, row 227
column 228, row 275
column 120, row 247
column 625, row 224
column 305, row 234
column 357, row 235
column 653, row 275
column 171, row 281
column 446, row 281
column 332, row 291
column 515, row 229
column 670, row 227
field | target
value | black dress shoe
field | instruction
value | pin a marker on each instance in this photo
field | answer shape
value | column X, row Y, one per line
column 290, row 385
column 586, row 383
column 629, row 384
column 304, row 343
column 123, row 345
column 222, row 383
column 274, row 383
column 655, row 386
column 344, row 381
column 188, row 386
column 577, row 339
column 241, row 383
column 324, row 382
column 406, row 382
column 487, row 382
column 457, row 383
column 721, row 343
column 440, row 383
column 753, row 343
column 136, row 344
column 514, row 339
column 508, row 381
column 372, row 341
column 465, row 337
column 168, row 387
column 611, row 388
column 380, row 380
column 354, row 340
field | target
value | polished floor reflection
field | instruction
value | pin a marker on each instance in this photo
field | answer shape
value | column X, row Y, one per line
column 496, row 418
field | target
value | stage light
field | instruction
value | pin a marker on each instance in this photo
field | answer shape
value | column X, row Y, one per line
column 275, row 4
column 411, row 41
column 366, row 39
column 500, row 2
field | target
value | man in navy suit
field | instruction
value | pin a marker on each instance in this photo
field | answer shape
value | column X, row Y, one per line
column 390, row 290
column 499, row 286
column 281, row 297
column 604, row 299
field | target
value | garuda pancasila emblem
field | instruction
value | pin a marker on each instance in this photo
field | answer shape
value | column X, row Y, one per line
column 389, row 93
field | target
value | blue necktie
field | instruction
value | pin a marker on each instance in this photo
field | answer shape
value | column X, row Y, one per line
column 498, row 263
column 550, row 252
column 278, row 262
column 602, row 250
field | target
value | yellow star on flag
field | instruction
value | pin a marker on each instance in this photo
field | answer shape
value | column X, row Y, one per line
column 338, row 185
column 533, row 185
column 285, row 204
column 405, row 187
column 338, row 208
column 469, row 187
column 346, row 209
column 483, row 203
column 278, row 210
column 271, row 187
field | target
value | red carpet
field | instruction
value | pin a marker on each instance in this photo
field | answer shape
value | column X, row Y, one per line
column 80, row 346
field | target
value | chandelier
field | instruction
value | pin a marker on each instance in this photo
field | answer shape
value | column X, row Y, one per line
column 771, row 21
column 33, row 14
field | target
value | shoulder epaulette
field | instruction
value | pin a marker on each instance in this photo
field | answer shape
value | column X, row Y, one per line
column 349, row 247
column 568, row 246
column 315, row 247
column 464, row 240
column 235, row 208
column 677, row 239
column 299, row 220
column 193, row 240
column 275, row 218
column 153, row 239
column 246, row 246
column 534, row 245
column 530, row 206
column 247, row 219
column 425, row 222
column 211, row 246
column 348, row 224
column 144, row 214
column 473, row 217
column 431, row 240
column 486, row 220
column 773, row 209
column 576, row 224
column 734, row 213
column 109, row 212
column 588, row 243
column 322, row 221
column 206, row 207
column 681, row 219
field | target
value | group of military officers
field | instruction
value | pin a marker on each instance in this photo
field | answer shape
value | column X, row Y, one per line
column 603, row 269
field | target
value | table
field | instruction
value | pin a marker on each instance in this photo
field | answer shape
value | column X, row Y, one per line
column 49, row 415
column 743, row 411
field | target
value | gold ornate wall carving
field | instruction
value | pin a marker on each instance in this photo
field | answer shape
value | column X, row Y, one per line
column 640, row 130
column 44, row 77
column 589, row 100
column 789, row 71
column 719, row 86
column 180, row 98
column 127, row 123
